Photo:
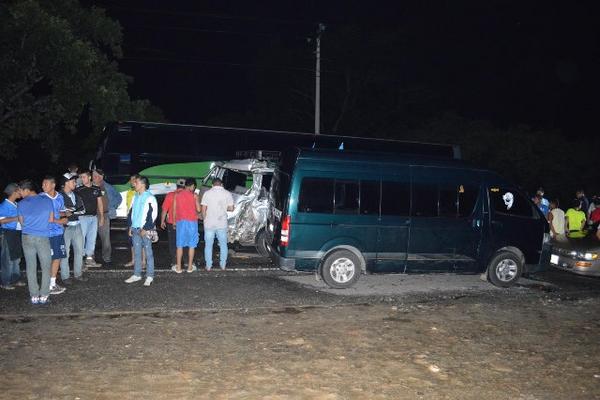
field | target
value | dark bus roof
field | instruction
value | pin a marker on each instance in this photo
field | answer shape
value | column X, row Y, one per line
column 381, row 157
column 290, row 139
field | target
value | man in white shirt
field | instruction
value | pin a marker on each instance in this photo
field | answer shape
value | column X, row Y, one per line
column 215, row 204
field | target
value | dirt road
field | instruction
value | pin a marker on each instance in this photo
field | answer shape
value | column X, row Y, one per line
column 500, row 348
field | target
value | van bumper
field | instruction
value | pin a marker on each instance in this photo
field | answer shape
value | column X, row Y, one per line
column 286, row 264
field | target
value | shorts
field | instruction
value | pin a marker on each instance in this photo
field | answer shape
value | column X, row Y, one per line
column 57, row 247
column 186, row 234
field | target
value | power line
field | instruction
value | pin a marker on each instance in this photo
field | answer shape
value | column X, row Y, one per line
column 227, row 63
column 214, row 16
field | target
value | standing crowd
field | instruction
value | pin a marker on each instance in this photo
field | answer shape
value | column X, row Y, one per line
column 73, row 212
column 580, row 219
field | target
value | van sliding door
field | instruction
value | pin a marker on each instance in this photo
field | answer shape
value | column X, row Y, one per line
column 446, row 222
column 394, row 221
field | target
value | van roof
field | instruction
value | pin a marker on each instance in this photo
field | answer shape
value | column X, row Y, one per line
column 382, row 157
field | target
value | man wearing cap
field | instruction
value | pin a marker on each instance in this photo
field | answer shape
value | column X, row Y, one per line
column 111, row 200
column 73, row 234
column 12, row 250
column 167, row 221
column 57, row 240
column 35, row 214
column 215, row 204
column 93, row 216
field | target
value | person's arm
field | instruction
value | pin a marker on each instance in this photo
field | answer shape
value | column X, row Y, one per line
column 8, row 220
column 567, row 223
column 583, row 221
column 100, row 211
column 203, row 212
column 174, row 210
column 230, row 203
column 550, row 219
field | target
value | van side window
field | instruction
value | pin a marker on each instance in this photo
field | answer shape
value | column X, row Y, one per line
column 395, row 198
column 425, row 200
column 457, row 201
column 467, row 199
column 510, row 202
column 316, row 196
column 346, row 197
column 369, row 197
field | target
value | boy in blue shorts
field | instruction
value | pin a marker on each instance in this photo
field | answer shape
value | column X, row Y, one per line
column 57, row 240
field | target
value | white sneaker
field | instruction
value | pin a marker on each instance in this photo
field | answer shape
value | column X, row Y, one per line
column 133, row 278
column 148, row 281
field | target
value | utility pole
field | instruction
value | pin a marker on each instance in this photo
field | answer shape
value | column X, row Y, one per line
column 320, row 29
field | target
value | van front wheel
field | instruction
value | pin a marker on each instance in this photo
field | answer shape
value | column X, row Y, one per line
column 505, row 269
column 341, row 269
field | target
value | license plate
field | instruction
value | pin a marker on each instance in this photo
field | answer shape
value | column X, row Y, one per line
column 554, row 259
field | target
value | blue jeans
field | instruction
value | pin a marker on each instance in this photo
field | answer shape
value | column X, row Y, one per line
column 10, row 272
column 89, row 229
column 140, row 242
column 209, row 239
column 73, row 237
column 35, row 247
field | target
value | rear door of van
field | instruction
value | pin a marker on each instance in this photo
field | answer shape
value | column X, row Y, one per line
column 446, row 219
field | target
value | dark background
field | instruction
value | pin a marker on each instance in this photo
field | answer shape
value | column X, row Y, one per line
column 497, row 77
column 504, row 61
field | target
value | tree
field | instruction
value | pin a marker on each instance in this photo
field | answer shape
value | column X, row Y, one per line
column 57, row 59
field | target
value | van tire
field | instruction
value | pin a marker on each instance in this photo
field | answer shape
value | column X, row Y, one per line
column 341, row 269
column 261, row 243
column 505, row 269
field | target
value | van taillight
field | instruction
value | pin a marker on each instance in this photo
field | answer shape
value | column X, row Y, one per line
column 285, row 231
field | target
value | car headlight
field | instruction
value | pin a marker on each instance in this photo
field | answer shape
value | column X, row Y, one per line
column 589, row 256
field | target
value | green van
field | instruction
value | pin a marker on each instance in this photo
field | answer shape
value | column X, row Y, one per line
column 345, row 213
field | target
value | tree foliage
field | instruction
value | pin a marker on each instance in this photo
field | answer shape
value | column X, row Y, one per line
column 57, row 59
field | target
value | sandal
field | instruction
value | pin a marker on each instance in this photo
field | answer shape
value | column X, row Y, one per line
column 129, row 264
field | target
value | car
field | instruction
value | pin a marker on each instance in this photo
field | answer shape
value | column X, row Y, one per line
column 249, row 181
column 343, row 213
column 579, row 256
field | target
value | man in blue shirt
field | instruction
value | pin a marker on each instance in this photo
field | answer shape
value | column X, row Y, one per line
column 35, row 214
column 12, row 251
column 57, row 240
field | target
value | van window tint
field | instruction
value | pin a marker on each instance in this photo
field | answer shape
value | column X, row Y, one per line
column 395, row 198
column 280, row 187
column 448, row 201
column 346, row 197
column 467, row 198
column 457, row 200
column 369, row 197
column 425, row 200
column 509, row 201
column 316, row 195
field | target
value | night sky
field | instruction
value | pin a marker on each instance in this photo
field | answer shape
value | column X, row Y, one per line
column 509, row 62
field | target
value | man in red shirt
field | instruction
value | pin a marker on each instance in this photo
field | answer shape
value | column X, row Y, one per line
column 186, row 207
column 168, row 222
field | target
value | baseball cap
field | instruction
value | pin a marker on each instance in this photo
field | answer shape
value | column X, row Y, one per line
column 11, row 188
column 69, row 175
column 181, row 182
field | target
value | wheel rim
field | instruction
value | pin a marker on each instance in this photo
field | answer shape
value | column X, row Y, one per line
column 342, row 270
column 506, row 270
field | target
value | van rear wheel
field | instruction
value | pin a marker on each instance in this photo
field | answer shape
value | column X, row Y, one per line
column 505, row 269
column 341, row 269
